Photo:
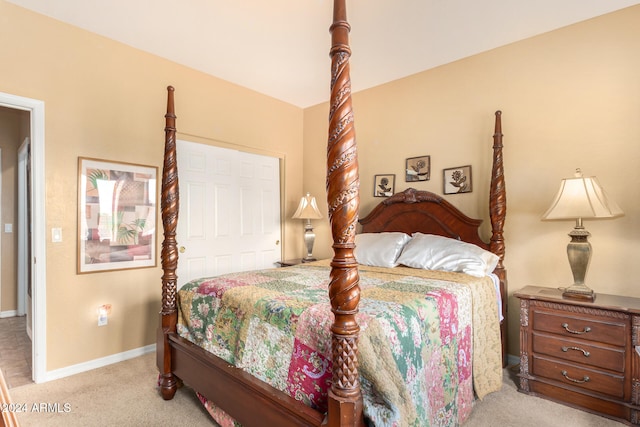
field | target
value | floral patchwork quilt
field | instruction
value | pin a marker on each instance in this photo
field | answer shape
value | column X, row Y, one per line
column 428, row 339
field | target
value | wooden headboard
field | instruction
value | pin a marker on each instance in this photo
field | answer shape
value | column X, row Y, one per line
column 414, row 211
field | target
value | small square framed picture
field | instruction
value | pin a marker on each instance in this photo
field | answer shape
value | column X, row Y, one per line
column 418, row 169
column 457, row 180
column 384, row 185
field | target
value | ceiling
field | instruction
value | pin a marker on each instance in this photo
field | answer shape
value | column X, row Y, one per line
column 280, row 48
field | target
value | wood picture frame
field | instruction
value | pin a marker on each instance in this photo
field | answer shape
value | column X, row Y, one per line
column 384, row 185
column 418, row 169
column 117, row 211
column 457, row 180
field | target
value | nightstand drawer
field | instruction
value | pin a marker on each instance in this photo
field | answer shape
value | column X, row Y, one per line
column 580, row 351
column 577, row 376
column 601, row 329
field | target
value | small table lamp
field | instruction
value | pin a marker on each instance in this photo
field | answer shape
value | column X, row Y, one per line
column 308, row 209
column 579, row 198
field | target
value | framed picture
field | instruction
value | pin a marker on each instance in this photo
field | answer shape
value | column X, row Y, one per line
column 384, row 185
column 116, row 215
column 418, row 169
column 457, row 180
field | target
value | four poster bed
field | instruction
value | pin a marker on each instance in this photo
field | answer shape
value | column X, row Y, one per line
column 386, row 345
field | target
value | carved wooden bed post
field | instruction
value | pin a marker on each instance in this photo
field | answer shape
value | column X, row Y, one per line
column 345, row 399
column 169, row 205
column 498, row 211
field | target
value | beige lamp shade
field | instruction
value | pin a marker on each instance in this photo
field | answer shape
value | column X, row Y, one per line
column 581, row 197
column 307, row 209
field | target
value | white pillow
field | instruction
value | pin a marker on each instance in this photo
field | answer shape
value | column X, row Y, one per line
column 380, row 249
column 433, row 252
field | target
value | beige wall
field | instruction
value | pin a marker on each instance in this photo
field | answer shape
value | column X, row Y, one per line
column 570, row 98
column 106, row 100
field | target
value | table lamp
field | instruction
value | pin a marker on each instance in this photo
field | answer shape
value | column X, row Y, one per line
column 308, row 210
column 580, row 198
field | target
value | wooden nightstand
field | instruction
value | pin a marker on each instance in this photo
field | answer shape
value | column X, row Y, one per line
column 580, row 353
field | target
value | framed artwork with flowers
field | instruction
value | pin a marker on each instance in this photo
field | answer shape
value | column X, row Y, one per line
column 384, row 185
column 418, row 169
column 457, row 180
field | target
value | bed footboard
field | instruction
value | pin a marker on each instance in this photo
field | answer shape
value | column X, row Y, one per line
column 232, row 388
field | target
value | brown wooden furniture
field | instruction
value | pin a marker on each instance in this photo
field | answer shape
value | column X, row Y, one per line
column 8, row 409
column 230, row 388
column 581, row 353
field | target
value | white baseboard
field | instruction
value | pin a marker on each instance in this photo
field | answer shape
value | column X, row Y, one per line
column 97, row 363
column 8, row 313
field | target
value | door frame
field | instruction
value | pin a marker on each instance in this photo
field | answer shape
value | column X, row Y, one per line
column 38, row 226
column 23, row 218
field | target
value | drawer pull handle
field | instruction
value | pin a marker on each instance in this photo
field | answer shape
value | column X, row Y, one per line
column 571, row 331
column 584, row 379
column 585, row 352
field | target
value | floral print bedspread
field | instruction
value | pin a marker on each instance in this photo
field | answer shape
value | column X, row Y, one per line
column 418, row 349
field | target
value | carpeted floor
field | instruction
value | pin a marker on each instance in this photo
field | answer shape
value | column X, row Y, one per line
column 125, row 394
column 508, row 407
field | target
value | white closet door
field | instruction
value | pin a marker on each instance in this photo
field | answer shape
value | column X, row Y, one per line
column 259, row 211
column 229, row 217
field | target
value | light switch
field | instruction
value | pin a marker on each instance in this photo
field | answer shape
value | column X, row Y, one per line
column 8, row 228
column 56, row 235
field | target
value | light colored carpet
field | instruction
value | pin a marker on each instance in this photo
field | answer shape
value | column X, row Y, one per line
column 125, row 394
column 508, row 407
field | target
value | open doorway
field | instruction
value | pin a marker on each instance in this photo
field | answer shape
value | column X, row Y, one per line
column 28, row 158
column 15, row 358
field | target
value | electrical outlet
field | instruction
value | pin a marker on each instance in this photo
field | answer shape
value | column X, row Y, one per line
column 103, row 314
column 102, row 319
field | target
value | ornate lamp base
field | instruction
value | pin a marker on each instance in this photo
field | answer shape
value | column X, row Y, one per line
column 309, row 238
column 579, row 253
